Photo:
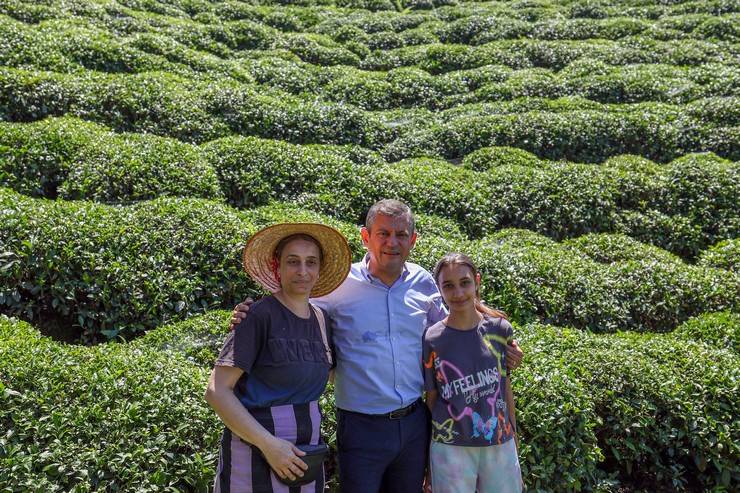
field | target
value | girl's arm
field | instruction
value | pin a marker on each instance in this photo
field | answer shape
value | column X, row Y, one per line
column 509, row 397
column 280, row 454
column 431, row 398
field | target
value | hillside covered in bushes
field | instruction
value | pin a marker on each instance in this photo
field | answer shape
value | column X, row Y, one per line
column 583, row 152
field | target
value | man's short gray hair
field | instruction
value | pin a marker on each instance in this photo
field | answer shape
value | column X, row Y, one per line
column 390, row 208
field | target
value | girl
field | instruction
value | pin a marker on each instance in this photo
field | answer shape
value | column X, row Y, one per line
column 468, row 392
column 275, row 364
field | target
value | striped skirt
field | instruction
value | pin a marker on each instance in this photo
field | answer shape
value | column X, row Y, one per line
column 242, row 469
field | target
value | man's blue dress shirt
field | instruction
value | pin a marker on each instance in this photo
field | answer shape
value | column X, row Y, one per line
column 377, row 335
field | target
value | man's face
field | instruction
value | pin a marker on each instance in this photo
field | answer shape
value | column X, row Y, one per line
column 389, row 242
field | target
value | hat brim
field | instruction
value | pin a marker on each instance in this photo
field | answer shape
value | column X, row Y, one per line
column 337, row 256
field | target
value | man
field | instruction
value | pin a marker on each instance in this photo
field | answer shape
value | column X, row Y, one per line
column 379, row 315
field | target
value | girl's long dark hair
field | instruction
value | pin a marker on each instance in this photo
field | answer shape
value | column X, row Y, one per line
column 462, row 259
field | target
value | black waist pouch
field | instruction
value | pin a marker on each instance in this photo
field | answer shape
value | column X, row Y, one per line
column 314, row 459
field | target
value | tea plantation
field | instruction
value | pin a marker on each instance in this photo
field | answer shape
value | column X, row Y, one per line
column 583, row 152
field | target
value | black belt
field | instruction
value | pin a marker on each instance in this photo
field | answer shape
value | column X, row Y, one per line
column 396, row 413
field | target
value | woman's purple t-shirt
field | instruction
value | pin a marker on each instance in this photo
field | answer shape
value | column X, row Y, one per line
column 468, row 370
column 283, row 356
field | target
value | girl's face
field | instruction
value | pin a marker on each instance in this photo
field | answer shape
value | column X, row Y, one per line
column 299, row 267
column 458, row 287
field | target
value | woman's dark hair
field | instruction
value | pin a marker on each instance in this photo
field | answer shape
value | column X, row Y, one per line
column 299, row 236
column 462, row 259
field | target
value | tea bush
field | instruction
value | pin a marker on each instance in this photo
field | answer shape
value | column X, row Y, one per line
column 683, row 206
column 723, row 255
column 119, row 270
column 536, row 278
column 492, row 157
column 198, row 339
column 112, row 417
column 253, row 171
column 590, row 408
column 665, row 404
column 658, row 132
column 716, row 329
column 608, row 248
column 72, row 159
column 187, row 109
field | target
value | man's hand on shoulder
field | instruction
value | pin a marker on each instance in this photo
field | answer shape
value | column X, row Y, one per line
column 240, row 313
column 514, row 355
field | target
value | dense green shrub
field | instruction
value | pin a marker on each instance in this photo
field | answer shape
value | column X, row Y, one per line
column 557, row 199
column 35, row 158
column 669, row 205
column 658, row 132
column 723, row 255
column 99, row 268
column 187, row 109
column 318, row 50
column 589, row 408
column 135, row 167
column 665, row 406
column 432, row 187
column 198, row 339
column 607, row 248
column 65, row 46
column 114, row 417
column 717, row 329
column 556, row 420
column 492, row 157
column 73, row 159
column 253, row 171
column 118, row 270
column 555, row 55
column 531, row 277
column 687, row 186
column 674, row 233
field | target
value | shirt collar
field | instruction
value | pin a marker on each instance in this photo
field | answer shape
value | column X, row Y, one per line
column 364, row 268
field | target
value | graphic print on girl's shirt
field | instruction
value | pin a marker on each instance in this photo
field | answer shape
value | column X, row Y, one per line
column 467, row 368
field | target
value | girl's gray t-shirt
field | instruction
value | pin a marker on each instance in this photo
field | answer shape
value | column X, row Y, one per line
column 468, row 370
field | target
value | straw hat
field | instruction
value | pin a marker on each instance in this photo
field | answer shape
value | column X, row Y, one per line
column 258, row 255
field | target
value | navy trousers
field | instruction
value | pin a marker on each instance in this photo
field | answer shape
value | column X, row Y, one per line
column 378, row 454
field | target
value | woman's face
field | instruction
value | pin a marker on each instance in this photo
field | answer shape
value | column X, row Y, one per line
column 458, row 287
column 299, row 267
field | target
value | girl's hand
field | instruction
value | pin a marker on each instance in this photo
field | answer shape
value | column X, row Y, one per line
column 284, row 458
column 427, row 481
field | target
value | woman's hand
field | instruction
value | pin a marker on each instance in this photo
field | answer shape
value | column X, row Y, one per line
column 284, row 458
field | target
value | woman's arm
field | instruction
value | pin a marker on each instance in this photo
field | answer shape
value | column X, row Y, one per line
column 280, row 454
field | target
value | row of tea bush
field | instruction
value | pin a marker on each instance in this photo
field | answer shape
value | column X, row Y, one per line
column 337, row 41
column 72, row 46
column 683, row 206
column 120, row 270
column 381, row 15
column 202, row 109
column 595, row 412
column 222, row 26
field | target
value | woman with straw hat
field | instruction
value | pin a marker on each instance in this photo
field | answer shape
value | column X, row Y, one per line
column 275, row 364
